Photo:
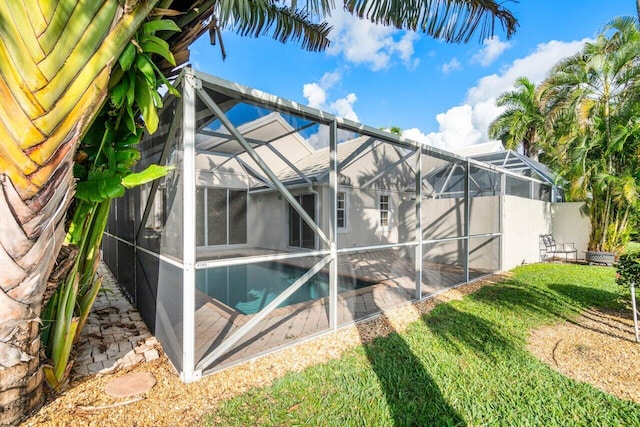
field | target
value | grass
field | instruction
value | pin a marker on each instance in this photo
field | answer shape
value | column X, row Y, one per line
column 633, row 247
column 465, row 363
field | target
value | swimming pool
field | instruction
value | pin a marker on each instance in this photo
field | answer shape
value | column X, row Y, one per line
column 249, row 288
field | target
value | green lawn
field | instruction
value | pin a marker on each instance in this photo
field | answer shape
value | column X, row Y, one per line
column 633, row 246
column 465, row 363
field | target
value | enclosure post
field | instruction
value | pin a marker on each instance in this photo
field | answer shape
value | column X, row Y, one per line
column 467, row 215
column 189, row 228
column 501, row 217
column 635, row 310
column 333, row 225
column 418, row 253
column 531, row 189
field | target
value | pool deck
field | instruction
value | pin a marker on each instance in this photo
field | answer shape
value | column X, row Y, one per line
column 394, row 284
column 115, row 335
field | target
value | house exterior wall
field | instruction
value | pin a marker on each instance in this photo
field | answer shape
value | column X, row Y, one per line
column 443, row 218
column 363, row 227
column 569, row 224
column 484, row 215
column 267, row 219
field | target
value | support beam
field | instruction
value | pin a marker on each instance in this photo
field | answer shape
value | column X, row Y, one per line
column 446, row 180
column 333, row 225
column 418, row 251
column 467, row 217
column 189, row 228
column 386, row 170
column 251, row 171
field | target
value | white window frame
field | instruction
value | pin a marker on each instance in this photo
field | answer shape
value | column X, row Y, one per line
column 344, row 209
column 206, row 218
column 380, row 210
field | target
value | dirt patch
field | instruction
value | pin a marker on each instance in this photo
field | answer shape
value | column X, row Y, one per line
column 598, row 348
column 173, row 403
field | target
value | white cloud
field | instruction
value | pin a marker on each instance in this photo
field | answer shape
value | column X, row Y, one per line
column 362, row 42
column 457, row 129
column 450, row 66
column 329, row 79
column 467, row 124
column 316, row 94
column 344, row 107
column 491, row 50
column 535, row 67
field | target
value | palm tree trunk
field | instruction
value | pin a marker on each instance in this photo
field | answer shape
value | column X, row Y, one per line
column 31, row 234
column 54, row 72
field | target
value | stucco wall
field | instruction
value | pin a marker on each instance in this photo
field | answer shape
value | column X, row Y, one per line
column 523, row 220
column 442, row 218
column 363, row 219
column 570, row 224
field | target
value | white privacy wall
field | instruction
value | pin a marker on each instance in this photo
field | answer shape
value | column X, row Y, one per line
column 523, row 221
column 570, row 224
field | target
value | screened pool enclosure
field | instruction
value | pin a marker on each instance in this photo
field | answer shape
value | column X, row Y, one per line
column 281, row 222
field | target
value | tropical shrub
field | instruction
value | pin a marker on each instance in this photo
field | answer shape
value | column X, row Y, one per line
column 628, row 269
column 591, row 98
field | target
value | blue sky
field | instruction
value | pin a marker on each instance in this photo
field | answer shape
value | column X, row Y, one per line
column 438, row 93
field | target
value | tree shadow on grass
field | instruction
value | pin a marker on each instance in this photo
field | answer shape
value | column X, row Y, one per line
column 462, row 331
column 412, row 395
column 556, row 302
column 517, row 296
column 585, row 296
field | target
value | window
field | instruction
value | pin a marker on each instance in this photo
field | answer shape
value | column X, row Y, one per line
column 383, row 208
column 341, row 210
column 221, row 216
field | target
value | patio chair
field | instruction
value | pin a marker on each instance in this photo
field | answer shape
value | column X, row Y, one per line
column 549, row 248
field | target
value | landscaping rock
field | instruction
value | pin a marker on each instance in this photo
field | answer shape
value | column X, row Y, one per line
column 130, row 384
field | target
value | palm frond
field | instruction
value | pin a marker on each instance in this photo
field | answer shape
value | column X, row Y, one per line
column 451, row 21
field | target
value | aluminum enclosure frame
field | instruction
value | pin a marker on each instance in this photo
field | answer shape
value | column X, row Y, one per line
column 194, row 87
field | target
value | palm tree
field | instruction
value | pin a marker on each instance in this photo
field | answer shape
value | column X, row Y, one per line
column 56, row 62
column 523, row 121
column 594, row 95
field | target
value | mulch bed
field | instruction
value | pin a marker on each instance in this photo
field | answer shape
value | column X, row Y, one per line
column 598, row 348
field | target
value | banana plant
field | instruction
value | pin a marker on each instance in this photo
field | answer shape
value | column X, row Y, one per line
column 103, row 169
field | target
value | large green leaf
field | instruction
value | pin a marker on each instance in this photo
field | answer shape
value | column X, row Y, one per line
column 149, row 174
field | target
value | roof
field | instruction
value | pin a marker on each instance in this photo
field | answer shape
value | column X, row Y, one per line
column 269, row 128
column 518, row 163
column 478, row 149
column 315, row 165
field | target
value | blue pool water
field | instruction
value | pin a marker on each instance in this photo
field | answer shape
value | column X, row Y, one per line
column 249, row 288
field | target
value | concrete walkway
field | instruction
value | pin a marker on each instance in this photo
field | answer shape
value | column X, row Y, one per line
column 114, row 336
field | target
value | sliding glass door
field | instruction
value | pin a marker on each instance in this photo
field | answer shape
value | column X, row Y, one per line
column 300, row 234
